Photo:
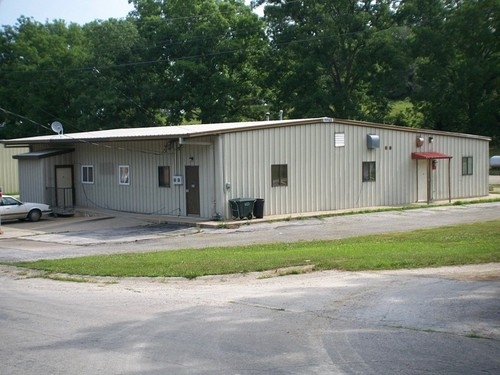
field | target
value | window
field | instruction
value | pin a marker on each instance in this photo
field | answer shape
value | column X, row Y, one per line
column 339, row 139
column 279, row 175
column 369, row 171
column 164, row 176
column 87, row 174
column 123, row 174
column 467, row 166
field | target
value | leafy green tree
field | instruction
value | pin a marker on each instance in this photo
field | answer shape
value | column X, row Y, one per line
column 208, row 54
column 36, row 63
column 457, row 58
column 341, row 58
column 115, row 91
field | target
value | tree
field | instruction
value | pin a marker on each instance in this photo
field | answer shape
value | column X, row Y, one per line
column 457, row 56
column 37, row 62
column 339, row 58
column 207, row 55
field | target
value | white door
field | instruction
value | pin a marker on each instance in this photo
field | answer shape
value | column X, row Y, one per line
column 422, row 180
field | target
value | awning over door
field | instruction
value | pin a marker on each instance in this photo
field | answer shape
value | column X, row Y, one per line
column 44, row 153
column 429, row 155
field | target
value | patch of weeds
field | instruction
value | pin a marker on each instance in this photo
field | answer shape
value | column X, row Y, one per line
column 288, row 271
column 72, row 279
column 475, row 335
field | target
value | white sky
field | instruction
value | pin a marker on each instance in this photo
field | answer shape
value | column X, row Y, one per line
column 79, row 11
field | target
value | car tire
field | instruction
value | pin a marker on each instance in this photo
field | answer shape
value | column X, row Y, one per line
column 35, row 215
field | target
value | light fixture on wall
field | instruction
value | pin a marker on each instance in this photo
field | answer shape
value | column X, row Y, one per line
column 431, row 139
column 420, row 141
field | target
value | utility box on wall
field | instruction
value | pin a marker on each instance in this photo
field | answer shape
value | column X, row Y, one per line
column 372, row 141
column 177, row 180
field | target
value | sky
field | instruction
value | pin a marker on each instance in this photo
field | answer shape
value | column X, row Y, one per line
column 78, row 11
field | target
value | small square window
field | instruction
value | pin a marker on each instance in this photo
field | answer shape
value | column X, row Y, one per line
column 87, row 174
column 279, row 175
column 164, row 176
column 467, row 168
column 369, row 171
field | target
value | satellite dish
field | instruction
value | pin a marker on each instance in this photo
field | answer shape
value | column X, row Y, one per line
column 57, row 127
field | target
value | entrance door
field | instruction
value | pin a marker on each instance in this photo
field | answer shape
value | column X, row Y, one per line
column 64, row 188
column 422, row 166
column 192, row 190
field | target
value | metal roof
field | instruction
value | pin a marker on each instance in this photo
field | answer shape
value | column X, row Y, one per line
column 429, row 155
column 160, row 132
column 189, row 131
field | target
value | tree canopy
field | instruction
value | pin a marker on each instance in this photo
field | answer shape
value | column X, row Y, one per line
column 172, row 62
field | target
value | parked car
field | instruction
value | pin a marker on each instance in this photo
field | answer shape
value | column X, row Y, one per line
column 12, row 208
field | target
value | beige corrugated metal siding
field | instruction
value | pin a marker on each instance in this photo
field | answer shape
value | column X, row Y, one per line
column 143, row 194
column 235, row 162
column 322, row 177
column 9, row 170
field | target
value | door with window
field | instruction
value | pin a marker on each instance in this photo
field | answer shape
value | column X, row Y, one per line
column 192, row 190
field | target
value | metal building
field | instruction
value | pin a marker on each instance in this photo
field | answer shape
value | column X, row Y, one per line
column 296, row 166
column 9, row 173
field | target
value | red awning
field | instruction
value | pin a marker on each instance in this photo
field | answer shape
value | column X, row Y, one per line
column 429, row 155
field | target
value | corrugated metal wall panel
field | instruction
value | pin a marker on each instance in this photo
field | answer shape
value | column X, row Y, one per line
column 323, row 177
column 143, row 194
column 9, row 169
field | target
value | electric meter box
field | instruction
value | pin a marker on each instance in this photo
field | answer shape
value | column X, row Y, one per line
column 177, row 180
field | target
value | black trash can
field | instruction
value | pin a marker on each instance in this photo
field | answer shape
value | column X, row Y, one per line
column 258, row 208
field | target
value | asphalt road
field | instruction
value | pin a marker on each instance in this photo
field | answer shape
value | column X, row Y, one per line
column 444, row 320
column 414, row 322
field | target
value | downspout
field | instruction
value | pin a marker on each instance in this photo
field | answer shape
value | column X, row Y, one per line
column 222, row 163
column 429, row 181
column 449, row 180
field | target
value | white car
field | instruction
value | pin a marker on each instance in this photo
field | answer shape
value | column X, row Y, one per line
column 12, row 208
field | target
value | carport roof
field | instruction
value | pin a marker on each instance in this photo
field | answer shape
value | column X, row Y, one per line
column 44, row 153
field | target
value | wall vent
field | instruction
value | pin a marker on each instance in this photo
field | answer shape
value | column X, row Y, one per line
column 372, row 141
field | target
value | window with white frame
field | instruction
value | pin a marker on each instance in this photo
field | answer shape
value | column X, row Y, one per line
column 87, row 174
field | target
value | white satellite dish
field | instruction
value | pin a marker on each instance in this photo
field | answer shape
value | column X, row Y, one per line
column 57, row 127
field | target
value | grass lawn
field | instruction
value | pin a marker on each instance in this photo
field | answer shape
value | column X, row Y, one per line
column 454, row 245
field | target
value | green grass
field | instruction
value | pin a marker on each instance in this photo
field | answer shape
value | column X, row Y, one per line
column 453, row 245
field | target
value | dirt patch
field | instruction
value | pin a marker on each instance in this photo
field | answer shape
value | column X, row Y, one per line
column 474, row 272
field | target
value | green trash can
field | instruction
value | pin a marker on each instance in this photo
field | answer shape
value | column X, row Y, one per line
column 242, row 207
